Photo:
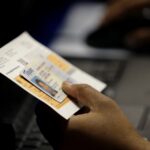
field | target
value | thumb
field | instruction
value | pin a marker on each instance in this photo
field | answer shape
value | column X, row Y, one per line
column 138, row 38
column 83, row 94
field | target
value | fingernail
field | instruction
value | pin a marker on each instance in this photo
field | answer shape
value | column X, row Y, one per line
column 66, row 84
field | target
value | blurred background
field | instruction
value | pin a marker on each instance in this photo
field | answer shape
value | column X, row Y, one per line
column 103, row 38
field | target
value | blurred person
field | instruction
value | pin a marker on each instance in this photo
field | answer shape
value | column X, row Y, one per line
column 100, row 124
column 126, row 24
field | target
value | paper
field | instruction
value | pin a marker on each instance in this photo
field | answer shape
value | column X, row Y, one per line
column 40, row 71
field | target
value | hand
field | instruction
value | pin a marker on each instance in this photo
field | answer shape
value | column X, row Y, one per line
column 118, row 9
column 103, row 126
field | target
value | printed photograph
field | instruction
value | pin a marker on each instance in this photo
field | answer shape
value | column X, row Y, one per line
column 44, row 87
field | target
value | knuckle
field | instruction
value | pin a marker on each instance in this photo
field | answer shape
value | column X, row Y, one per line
column 111, row 103
column 83, row 89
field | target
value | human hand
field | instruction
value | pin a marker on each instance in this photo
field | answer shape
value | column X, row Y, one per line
column 103, row 126
column 119, row 9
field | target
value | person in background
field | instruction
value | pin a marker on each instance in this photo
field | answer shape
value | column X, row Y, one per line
column 99, row 125
column 120, row 8
column 126, row 24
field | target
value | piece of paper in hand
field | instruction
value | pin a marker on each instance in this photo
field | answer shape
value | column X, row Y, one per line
column 40, row 71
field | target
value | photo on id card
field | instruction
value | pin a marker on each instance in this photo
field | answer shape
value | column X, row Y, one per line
column 29, row 74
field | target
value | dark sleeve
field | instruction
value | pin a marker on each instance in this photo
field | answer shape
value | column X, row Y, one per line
column 51, row 124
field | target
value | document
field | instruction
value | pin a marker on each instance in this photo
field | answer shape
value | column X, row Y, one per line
column 41, row 72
